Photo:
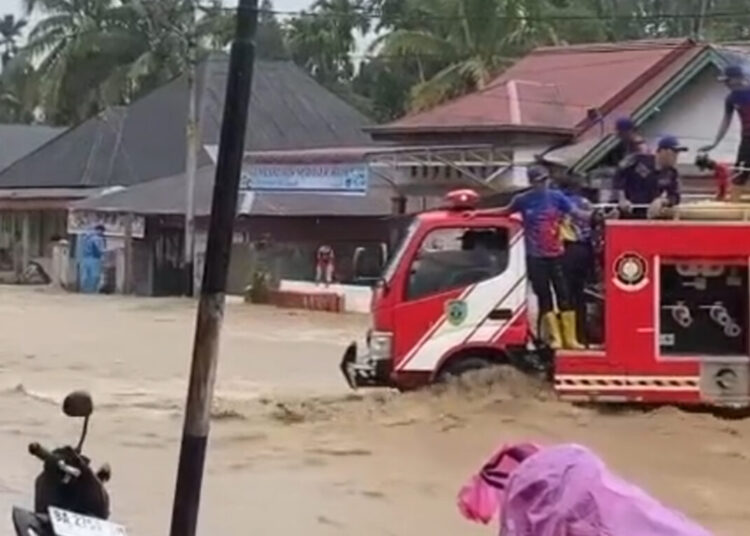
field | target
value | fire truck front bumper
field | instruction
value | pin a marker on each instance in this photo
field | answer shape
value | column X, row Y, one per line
column 364, row 370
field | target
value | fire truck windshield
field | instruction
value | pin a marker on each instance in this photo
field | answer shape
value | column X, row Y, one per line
column 395, row 260
column 454, row 257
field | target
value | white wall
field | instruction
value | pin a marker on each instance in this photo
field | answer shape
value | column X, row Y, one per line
column 693, row 115
column 523, row 157
column 357, row 299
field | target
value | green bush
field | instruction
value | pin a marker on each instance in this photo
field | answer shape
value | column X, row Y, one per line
column 259, row 290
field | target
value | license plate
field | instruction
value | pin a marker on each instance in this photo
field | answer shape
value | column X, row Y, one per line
column 66, row 523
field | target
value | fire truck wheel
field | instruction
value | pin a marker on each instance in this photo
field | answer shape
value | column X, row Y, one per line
column 462, row 365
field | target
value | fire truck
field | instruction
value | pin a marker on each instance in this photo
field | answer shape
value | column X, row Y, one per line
column 674, row 304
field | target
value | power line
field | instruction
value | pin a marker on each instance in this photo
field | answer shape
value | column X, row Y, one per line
column 635, row 17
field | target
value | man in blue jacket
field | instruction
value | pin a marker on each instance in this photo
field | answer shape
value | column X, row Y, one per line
column 91, row 249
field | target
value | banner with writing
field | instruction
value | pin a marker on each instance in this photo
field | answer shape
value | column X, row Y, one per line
column 80, row 221
column 313, row 178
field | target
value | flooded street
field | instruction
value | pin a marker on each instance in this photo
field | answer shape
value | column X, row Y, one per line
column 292, row 450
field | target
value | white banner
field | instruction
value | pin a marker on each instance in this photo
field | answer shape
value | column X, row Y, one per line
column 351, row 179
column 80, row 221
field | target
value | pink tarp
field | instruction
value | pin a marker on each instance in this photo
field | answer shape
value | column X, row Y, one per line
column 565, row 490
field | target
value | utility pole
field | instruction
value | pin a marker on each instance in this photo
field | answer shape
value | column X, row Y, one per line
column 191, row 152
column 212, row 292
column 701, row 20
column 127, row 284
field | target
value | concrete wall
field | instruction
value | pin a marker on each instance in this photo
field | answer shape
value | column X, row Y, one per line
column 356, row 299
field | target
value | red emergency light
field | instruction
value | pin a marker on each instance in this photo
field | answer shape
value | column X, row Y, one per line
column 462, row 199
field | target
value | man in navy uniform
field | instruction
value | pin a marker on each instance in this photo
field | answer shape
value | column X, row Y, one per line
column 738, row 100
column 649, row 179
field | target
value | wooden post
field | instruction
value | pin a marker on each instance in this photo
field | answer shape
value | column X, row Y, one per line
column 14, row 247
column 211, row 303
column 127, row 283
column 25, row 240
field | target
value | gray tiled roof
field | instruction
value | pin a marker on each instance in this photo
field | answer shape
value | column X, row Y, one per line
column 146, row 140
column 17, row 141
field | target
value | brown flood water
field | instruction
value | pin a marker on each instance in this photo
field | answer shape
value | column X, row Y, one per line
column 292, row 451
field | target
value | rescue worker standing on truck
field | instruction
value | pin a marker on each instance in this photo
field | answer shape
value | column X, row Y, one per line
column 649, row 179
column 630, row 141
column 738, row 101
column 578, row 259
column 543, row 210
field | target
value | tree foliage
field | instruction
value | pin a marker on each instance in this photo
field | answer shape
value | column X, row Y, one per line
column 386, row 57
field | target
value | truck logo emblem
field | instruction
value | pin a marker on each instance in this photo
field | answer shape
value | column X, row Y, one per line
column 456, row 311
column 630, row 272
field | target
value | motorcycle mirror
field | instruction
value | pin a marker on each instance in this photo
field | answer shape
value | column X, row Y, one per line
column 78, row 404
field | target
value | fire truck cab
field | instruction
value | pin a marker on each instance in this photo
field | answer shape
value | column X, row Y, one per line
column 454, row 298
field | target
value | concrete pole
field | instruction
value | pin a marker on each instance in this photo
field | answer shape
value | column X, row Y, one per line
column 213, row 287
column 191, row 156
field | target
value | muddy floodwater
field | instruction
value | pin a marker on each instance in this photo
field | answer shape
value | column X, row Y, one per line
column 292, row 451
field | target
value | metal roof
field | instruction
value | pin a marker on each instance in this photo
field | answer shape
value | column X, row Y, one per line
column 166, row 196
column 16, row 141
column 146, row 139
column 552, row 89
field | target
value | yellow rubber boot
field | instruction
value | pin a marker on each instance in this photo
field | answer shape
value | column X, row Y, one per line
column 570, row 337
column 553, row 330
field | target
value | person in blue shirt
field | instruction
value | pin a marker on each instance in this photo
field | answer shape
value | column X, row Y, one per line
column 649, row 179
column 737, row 101
column 91, row 249
column 543, row 210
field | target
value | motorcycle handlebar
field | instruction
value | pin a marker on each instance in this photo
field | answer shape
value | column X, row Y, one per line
column 38, row 451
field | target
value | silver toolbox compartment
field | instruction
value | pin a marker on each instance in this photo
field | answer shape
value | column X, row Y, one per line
column 725, row 382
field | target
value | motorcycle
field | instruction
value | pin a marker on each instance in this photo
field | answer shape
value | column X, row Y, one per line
column 69, row 497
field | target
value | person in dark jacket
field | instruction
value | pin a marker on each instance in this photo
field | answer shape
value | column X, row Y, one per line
column 578, row 259
column 630, row 141
column 650, row 179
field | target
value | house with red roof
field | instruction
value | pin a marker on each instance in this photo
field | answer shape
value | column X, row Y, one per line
column 560, row 104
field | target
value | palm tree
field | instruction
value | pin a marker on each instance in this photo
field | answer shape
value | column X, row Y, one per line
column 77, row 47
column 10, row 30
column 322, row 40
column 270, row 36
column 463, row 40
column 94, row 53
column 19, row 92
column 462, row 44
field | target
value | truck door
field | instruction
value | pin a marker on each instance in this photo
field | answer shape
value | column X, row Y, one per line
column 464, row 285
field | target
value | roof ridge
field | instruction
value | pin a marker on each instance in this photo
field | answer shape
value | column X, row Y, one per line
column 646, row 75
column 617, row 46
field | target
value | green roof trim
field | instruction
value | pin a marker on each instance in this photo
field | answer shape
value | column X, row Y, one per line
column 710, row 56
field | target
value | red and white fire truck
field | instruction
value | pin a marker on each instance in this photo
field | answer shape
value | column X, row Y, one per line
column 675, row 309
